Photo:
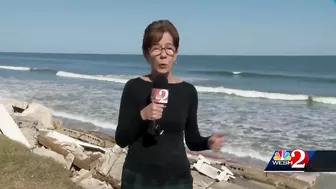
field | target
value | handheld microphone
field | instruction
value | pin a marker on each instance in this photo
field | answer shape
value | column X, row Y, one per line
column 159, row 95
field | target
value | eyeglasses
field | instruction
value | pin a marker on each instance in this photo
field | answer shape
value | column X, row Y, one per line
column 157, row 49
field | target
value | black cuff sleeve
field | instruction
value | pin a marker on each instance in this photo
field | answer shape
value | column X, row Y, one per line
column 194, row 141
column 130, row 122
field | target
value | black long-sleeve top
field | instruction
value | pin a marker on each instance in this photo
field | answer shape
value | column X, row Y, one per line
column 179, row 118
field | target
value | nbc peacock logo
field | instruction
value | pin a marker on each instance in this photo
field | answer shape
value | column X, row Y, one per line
column 282, row 155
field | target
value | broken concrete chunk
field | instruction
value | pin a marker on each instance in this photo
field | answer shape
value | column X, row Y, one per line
column 112, row 163
column 117, row 149
column 308, row 177
column 73, row 148
column 200, row 180
column 58, row 124
column 224, row 185
column 9, row 128
column 31, row 135
column 17, row 105
column 203, row 166
column 40, row 113
column 84, row 179
column 9, row 109
column 27, row 122
column 69, row 159
column 64, row 138
column 48, row 153
column 91, row 183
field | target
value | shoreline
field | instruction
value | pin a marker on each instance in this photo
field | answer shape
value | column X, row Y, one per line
column 96, row 128
column 78, row 125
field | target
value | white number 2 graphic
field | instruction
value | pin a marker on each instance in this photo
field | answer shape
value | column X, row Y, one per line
column 164, row 96
column 298, row 164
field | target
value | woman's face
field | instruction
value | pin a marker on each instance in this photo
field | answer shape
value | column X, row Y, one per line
column 163, row 54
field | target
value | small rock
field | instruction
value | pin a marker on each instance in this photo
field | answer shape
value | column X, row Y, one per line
column 57, row 124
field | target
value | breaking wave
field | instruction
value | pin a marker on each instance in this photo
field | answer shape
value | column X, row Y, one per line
column 15, row 68
column 223, row 90
column 47, row 70
column 266, row 75
column 96, row 122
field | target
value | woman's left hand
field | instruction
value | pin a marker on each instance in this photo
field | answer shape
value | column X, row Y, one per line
column 216, row 141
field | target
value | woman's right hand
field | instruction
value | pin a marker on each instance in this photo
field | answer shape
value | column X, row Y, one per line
column 152, row 112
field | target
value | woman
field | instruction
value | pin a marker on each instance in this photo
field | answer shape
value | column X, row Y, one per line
column 165, row 164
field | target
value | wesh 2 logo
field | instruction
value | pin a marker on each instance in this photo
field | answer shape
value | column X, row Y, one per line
column 160, row 96
column 296, row 158
column 286, row 161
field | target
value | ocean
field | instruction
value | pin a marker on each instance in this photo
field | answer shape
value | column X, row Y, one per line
column 261, row 103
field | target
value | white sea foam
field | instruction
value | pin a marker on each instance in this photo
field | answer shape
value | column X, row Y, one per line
column 15, row 68
column 325, row 100
column 84, row 76
column 265, row 95
column 82, row 118
column 236, row 92
column 236, row 73
column 239, row 152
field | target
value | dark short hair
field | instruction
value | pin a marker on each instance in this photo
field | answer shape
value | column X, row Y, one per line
column 154, row 32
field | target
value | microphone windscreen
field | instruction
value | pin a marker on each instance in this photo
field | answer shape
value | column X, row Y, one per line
column 160, row 82
column 160, row 91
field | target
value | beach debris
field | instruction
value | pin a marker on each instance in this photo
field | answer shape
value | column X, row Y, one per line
column 87, row 137
column 96, row 161
column 10, row 129
column 13, row 105
column 67, row 139
column 100, row 163
column 40, row 113
column 67, row 162
column 204, row 166
column 85, row 179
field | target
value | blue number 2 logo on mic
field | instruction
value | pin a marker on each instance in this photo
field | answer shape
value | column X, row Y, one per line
column 289, row 161
column 160, row 95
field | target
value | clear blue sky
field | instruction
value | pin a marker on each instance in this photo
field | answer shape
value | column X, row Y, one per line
column 228, row 27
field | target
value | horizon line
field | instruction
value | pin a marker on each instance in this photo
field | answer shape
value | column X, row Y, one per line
column 139, row 54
